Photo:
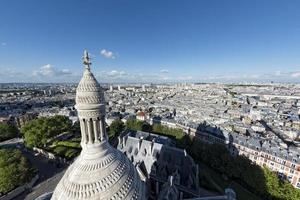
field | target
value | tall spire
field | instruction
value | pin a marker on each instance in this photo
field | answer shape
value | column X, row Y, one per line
column 90, row 104
column 100, row 171
column 86, row 60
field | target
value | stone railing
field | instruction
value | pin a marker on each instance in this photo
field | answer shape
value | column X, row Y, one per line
column 49, row 155
column 44, row 153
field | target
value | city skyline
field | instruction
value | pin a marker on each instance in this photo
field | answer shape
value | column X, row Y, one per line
column 143, row 42
column 150, row 100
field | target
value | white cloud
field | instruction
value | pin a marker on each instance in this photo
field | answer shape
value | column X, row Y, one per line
column 49, row 71
column 111, row 75
column 277, row 73
column 286, row 75
column 10, row 72
column 116, row 73
column 295, row 74
column 107, row 54
column 162, row 76
column 13, row 75
column 186, row 78
column 164, row 71
column 279, row 76
column 123, row 76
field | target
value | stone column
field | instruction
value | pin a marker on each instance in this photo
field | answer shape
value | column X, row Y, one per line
column 90, row 131
column 82, row 129
column 96, row 135
column 101, row 130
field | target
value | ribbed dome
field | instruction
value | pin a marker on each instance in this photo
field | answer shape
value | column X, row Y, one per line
column 88, row 91
column 88, row 83
column 100, row 172
column 103, row 174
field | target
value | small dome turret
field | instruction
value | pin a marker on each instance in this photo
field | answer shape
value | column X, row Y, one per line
column 100, row 172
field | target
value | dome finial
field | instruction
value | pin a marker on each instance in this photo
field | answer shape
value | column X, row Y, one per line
column 86, row 60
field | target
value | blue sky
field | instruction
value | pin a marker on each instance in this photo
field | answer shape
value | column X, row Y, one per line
column 150, row 41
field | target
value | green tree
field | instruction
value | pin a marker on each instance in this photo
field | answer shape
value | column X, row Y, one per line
column 173, row 132
column 116, row 127
column 7, row 132
column 134, row 125
column 39, row 131
column 15, row 170
column 146, row 127
column 260, row 181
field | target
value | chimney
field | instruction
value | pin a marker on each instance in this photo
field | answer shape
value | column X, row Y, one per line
column 171, row 180
column 120, row 140
column 152, row 146
column 124, row 141
column 140, row 142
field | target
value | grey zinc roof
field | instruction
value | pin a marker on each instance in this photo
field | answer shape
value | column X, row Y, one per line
column 291, row 154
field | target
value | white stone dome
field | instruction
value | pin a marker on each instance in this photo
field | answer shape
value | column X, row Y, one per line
column 100, row 172
column 104, row 174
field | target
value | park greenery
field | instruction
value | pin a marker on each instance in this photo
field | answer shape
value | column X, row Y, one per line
column 44, row 131
column 138, row 125
column 7, row 132
column 260, row 181
column 39, row 132
column 66, row 149
column 238, row 170
column 173, row 132
column 115, row 128
column 15, row 170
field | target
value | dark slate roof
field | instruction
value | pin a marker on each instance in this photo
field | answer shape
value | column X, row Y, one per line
column 292, row 154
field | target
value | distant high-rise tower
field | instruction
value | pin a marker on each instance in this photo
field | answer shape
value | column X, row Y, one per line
column 101, row 171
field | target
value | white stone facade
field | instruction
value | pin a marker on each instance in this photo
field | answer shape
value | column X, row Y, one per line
column 100, row 172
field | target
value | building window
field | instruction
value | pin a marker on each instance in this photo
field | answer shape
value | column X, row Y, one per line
column 293, row 166
column 284, row 162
